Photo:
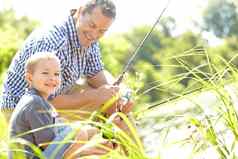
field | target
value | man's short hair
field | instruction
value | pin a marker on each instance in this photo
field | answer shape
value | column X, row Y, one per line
column 107, row 6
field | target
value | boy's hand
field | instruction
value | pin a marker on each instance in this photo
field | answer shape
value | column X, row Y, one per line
column 82, row 148
column 101, row 149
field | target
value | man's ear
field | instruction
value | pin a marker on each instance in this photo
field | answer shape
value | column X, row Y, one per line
column 76, row 12
column 79, row 11
column 28, row 77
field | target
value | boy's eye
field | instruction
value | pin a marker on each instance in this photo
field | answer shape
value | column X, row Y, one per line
column 45, row 73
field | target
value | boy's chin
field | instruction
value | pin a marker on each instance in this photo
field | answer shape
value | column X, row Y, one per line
column 50, row 93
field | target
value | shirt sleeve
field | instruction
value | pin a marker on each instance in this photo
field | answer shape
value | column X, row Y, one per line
column 37, row 118
column 94, row 62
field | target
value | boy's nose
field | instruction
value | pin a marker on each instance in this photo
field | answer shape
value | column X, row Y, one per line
column 53, row 78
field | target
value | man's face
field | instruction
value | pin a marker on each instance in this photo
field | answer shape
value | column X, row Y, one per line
column 92, row 26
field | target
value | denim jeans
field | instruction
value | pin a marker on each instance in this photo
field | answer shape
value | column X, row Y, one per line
column 61, row 142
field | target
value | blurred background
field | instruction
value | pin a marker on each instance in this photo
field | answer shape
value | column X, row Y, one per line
column 187, row 27
column 194, row 45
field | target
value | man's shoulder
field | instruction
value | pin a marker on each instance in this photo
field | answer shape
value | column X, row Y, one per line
column 54, row 35
column 57, row 36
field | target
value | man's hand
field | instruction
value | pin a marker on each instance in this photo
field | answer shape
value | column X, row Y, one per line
column 120, row 106
column 121, row 124
column 103, row 94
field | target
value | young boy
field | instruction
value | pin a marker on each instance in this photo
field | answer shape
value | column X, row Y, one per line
column 33, row 117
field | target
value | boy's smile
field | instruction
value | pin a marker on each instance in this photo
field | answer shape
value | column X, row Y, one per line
column 45, row 77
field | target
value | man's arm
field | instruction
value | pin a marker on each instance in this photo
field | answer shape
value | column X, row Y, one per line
column 75, row 99
column 101, row 78
column 104, row 77
column 95, row 95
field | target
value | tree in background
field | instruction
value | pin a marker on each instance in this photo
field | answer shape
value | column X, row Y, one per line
column 156, row 72
column 162, row 68
column 13, row 31
column 221, row 18
column 167, row 25
column 227, row 51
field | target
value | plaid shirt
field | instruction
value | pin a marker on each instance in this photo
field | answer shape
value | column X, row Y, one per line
column 62, row 40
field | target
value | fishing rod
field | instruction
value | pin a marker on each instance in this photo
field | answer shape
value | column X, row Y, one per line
column 127, row 67
column 136, row 51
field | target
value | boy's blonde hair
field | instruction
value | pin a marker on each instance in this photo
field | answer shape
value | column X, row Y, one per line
column 36, row 58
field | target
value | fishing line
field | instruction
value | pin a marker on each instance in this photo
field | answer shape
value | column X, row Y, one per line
column 128, row 65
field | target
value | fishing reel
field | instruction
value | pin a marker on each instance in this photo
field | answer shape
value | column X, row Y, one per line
column 124, row 99
column 108, row 131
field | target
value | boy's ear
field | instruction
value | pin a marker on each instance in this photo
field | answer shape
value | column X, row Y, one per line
column 28, row 77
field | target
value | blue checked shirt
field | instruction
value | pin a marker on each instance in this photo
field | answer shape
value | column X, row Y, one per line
column 62, row 40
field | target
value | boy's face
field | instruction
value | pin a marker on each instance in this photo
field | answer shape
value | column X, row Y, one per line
column 45, row 77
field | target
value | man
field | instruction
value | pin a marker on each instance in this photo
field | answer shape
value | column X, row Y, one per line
column 74, row 42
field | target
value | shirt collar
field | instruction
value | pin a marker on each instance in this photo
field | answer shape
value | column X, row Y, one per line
column 73, row 32
column 32, row 91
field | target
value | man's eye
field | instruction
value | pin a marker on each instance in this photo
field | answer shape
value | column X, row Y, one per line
column 45, row 73
column 102, row 31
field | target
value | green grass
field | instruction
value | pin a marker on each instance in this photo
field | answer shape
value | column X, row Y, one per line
column 215, row 126
column 130, row 146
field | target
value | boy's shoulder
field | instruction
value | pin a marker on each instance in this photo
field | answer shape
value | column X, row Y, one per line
column 31, row 102
column 27, row 106
column 36, row 100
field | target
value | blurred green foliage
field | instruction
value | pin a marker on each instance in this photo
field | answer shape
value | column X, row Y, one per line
column 166, row 66
column 221, row 18
column 13, row 31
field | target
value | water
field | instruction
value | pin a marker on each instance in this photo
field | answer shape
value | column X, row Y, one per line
column 175, row 138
